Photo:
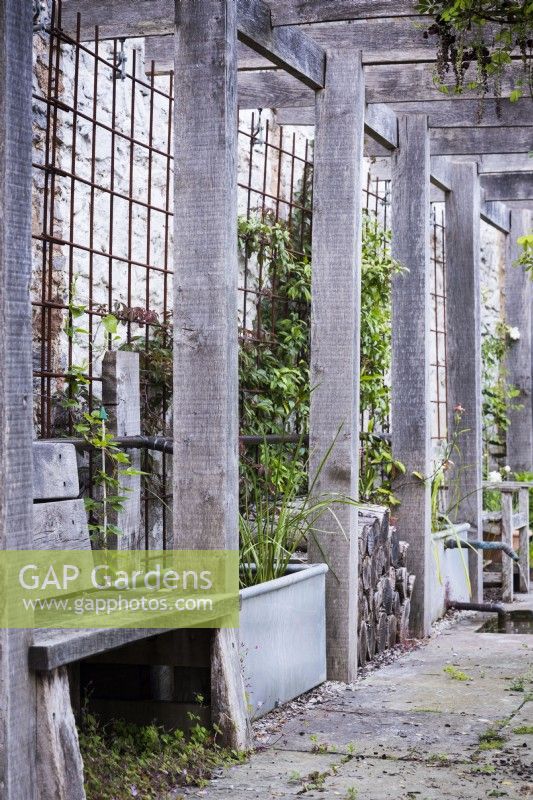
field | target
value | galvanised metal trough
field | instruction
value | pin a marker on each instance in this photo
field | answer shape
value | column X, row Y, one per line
column 283, row 636
column 449, row 576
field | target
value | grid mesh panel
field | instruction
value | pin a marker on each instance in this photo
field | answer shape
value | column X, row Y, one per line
column 439, row 374
column 102, row 224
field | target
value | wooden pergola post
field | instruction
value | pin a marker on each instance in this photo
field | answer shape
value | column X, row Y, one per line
column 518, row 298
column 205, row 400
column 17, row 685
column 335, row 310
column 410, row 401
column 464, row 355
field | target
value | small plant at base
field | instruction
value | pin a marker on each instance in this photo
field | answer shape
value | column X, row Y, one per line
column 491, row 740
column 351, row 793
column 125, row 760
column 318, row 747
column 522, row 730
column 456, row 674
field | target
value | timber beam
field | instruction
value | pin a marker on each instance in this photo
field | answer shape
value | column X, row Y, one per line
column 287, row 48
column 508, row 186
column 458, row 113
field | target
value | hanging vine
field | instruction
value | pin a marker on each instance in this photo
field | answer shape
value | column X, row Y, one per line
column 478, row 42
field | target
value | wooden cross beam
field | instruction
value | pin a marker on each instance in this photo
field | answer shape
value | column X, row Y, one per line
column 457, row 113
column 384, row 84
column 509, row 186
column 453, row 141
column 385, row 40
column 298, row 12
column 288, row 48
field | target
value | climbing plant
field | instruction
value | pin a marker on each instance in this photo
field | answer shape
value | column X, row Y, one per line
column 111, row 464
column 498, row 394
column 274, row 365
column 525, row 258
column 476, row 43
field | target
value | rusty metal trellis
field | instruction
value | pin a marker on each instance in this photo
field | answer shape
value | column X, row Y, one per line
column 102, row 222
column 438, row 364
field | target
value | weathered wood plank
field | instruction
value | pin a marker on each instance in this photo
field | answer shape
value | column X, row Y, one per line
column 335, row 310
column 508, row 186
column 121, row 398
column 288, row 48
column 518, row 356
column 508, row 162
column 55, row 471
column 507, row 538
column 160, row 50
column 382, row 40
column 205, row 324
column 496, row 214
column 524, row 580
column 463, row 308
column 526, row 205
column 297, row 12
column 384, row 84
column 205, row 399
column 415, row 82
column 410, row 406
column 381, row 125
column 17, row 687
column 51, row 649
column 59, row 763
column 60, row 525
column 272, row 89
column 465, row 112
column 472, row 141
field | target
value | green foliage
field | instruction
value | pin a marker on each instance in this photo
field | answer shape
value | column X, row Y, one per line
column 274, row 370
column 114, row 466
column 273, row 524
column 124, row 760
column 476, row 42
column 456, row 674
column 274, row 366
column 109, row 491
column 525, row 258
column 498, row 393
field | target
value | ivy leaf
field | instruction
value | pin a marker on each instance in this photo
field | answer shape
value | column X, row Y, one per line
column 110, row 323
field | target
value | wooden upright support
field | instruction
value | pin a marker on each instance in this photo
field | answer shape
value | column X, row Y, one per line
column 335, row 309
column 410, row 405
column 17, row 685
column 205, row 404
column 464, row 355
column 518, row 298
column 121, row 398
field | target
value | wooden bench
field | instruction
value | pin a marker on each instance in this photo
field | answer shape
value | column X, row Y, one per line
column 502, row 525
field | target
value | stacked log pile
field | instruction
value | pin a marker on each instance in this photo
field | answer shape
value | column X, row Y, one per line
column 385, row 586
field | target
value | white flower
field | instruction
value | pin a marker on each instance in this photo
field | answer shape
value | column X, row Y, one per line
column 514, row 334
column 495, row 477
column 507, row 469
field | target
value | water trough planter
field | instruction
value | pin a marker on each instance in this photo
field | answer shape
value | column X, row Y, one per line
column 283, row 636
column 453, row 584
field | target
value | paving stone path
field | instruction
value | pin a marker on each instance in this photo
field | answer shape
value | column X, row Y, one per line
column 451, row 719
